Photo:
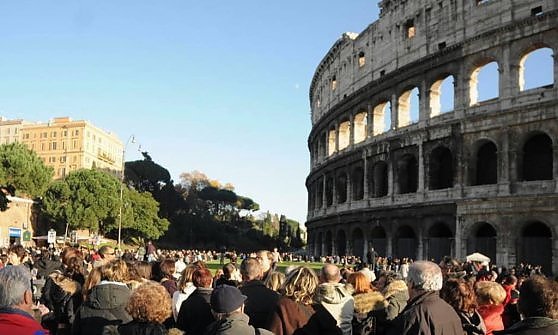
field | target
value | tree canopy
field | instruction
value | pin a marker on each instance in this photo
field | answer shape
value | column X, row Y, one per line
column 23, row 169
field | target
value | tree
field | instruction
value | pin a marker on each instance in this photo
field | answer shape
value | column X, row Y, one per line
column 140, row 216
column 23, row 169
column 85, row 199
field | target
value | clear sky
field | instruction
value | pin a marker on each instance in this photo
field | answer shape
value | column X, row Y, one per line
column 215, row 86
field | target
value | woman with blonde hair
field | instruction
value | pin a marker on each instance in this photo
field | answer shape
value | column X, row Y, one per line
column 185, row 288
column 104, row 308
column 149, row 306
column 294, row 309
column 275, row 280
column 490, row 297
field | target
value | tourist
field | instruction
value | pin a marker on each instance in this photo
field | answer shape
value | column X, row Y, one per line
column 336, row 297
column 261, row 300
column 538, row 304
column 395, row 292
column 104, row 308
column 229, row 277
column 195, row 313
column 227, row 306
column 185, row 287
column 369, row 303
column 266, row 260
column 461, row 296
column 106, row 254
column 167, row 268
column 426, row 312
column 490, row 297
column 16, row 303
column 149, row 306
column 275, row 280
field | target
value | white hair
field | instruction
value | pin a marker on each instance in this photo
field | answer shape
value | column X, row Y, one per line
column 14, row 281
column 425, row 276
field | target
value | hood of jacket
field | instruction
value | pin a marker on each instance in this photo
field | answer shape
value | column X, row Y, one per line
column 371, row 301
column 397, row 288
column 66, row 284
column 108, row 296
column 333, row 293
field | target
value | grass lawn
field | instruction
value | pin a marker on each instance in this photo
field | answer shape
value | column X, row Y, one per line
column 214, row 265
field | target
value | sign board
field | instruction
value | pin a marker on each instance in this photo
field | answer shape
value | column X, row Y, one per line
column 26, row 236
column 14, row 232
column 51, row 237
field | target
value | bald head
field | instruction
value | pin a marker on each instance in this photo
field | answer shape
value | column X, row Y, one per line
column 330, row 274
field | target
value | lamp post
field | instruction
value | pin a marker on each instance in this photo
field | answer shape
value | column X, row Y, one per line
column 131, row 139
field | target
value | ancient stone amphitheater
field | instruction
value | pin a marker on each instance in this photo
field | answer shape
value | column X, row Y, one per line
column 408, row 153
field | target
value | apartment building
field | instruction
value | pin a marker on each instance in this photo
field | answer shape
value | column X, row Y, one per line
column 68, row 145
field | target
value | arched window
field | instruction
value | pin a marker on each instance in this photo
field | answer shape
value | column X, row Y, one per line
column 341, row 243
column 331, row 141
column 380, row 179
column 442, row 96
column 441, row 169
column 341, row 188
column 319, row 192
column 484, row 83
column 537, row 158
column 486, row 164
column 357, row 181
column 329, row 191
column 536, row 245
column 358, row 243
column 408, row 108
column 407, row 174
column 344, row 134
column 536, row 69
column 382, row 118
column 360, row 125
column 439, row 241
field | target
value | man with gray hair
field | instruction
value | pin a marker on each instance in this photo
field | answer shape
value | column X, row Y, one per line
column 16, row 302
column 426, row 312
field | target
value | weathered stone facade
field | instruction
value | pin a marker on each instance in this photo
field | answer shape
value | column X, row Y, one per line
column 479, row 177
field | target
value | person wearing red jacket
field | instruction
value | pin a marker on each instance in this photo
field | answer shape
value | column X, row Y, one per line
column 16, row 302
column 490, row 298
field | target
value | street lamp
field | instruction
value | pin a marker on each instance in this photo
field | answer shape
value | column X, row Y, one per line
column 131, row 139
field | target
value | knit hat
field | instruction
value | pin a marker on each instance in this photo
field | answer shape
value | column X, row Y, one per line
column 226, row 299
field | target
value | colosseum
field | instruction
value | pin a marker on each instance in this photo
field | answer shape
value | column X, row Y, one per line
column 412, row 155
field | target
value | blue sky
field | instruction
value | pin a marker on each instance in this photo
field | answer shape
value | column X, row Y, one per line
column 215, row 86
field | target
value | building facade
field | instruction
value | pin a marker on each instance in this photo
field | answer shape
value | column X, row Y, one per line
column 393, row 169
column 68, row 145
column 18, row 223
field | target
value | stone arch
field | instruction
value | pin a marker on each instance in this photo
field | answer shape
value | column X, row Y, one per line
column 329, row 190
column 537, row 158
column 357, row 183
column 360, row 126
column 322, row 146
column 405, row 242
column 319, row 192
column 329, row 243
column 536, row 245
column 379, row 179
column 485, row 163
column 358, row 243
column 482, row 238
column 407, row 174
column 440, row 168
column 341, row 242
column 331, row 141
column 381, row 117
column 542, row 58
column 485, row 79
column 440, row 238
column 408, row 105
column 378, row 240
column 344, row 134
column 442, row 96
column 318, row 245
column 341, row 187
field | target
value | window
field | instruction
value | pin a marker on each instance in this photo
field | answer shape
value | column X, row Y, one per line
column 333, row 83
column 484, row 83
column 410, row 29
column 361, row 59
column 536, row 69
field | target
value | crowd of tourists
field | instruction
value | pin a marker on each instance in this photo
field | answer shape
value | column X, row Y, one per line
column 154, row 292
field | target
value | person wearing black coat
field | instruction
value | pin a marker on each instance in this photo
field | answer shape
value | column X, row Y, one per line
column 261, row 301
column 195, row 312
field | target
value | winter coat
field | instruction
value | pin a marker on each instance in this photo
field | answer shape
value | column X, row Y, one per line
column 366, row 302
column 396, row 295
column 338, row 301
column 492, row 316
column 195, row 313
column 16, row 321
column 170, row 285
column 179, row 296
column 141, row 328
column 369, row 313
column 46, row 266
column 104, row 308
column 472, row 323
column 235, row 324
column 259, row 303
column 427, row 313
column 289, row 317
column 532, row 326
column 62, row 296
